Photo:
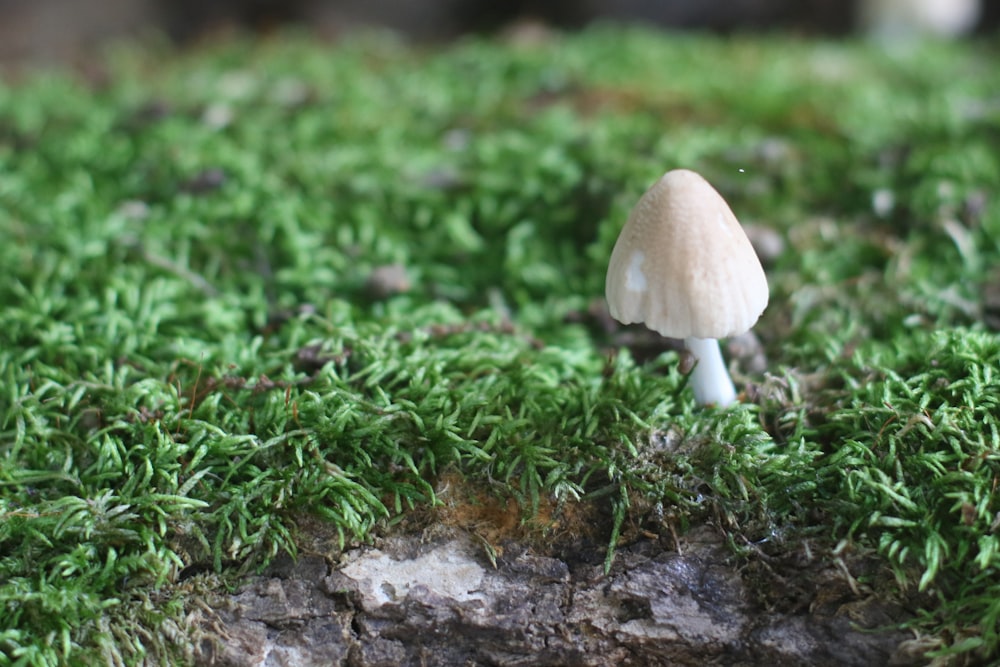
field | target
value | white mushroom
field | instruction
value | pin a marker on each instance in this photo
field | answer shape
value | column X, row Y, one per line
column 895, row 20
column 683, row 266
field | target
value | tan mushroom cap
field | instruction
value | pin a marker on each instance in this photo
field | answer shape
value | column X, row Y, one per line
column 683, row 265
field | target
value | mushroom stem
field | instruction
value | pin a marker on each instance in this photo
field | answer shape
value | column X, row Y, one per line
column 710, row 379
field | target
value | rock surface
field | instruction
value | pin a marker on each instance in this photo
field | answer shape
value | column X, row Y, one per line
column 441, row 602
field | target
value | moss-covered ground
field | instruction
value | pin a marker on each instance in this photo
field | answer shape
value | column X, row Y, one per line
column 195, row 362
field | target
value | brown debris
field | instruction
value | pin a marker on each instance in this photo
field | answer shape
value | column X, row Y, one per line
column 388, row 280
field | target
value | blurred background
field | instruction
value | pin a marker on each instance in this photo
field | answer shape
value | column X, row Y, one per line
column 64, row 30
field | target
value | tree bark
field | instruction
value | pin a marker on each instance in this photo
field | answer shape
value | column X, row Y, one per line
column 411, row 602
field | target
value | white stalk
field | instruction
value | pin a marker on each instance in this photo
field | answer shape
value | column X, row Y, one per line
column 710, row 379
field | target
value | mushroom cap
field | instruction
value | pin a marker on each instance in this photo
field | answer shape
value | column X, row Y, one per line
column 683, row 265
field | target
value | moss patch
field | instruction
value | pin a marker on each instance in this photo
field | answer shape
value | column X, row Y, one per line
column 193, row 357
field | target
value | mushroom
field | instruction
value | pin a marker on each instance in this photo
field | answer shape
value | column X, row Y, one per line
column 897, row 20
column 683, row 266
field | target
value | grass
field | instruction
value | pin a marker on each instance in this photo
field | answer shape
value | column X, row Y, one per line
column 193, row 359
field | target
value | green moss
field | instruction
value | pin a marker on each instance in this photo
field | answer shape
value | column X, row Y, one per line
column 917, row 455
column 191, row 360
